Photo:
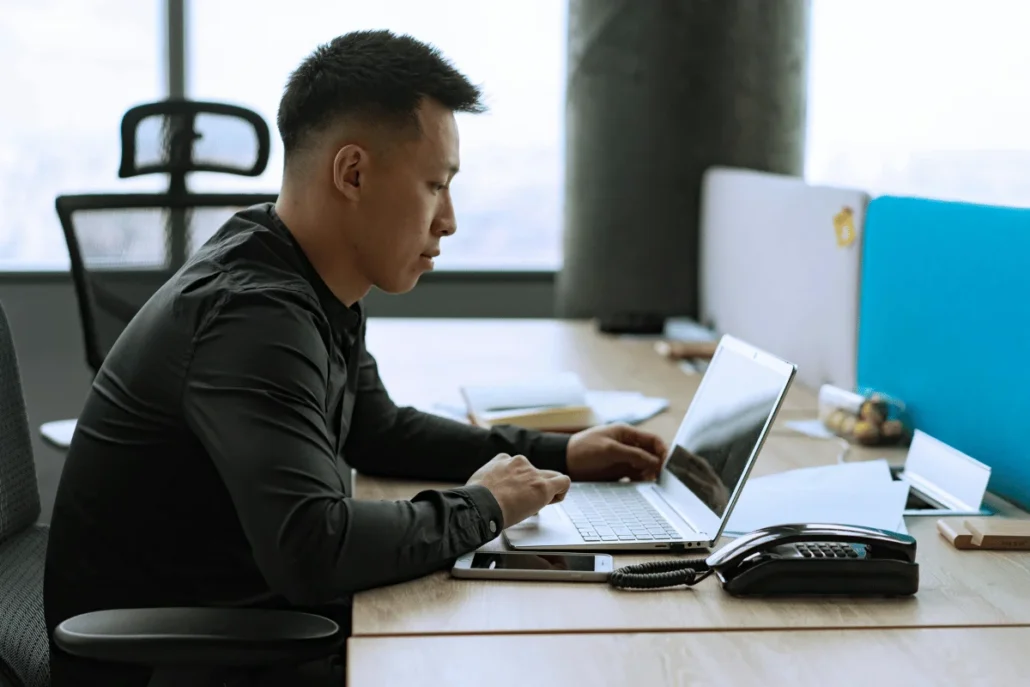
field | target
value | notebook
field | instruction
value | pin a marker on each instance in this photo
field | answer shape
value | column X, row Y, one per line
column 555, row 403
column 779, row 267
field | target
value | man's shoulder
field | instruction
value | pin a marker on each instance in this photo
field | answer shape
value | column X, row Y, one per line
column 247, row 261
column 254, row 249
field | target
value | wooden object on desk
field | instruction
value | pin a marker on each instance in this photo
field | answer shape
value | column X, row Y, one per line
column 686, row 350
column 956, row 588
column 913, row 658
column 986, row 534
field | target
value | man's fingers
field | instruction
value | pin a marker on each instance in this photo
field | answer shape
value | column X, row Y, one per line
column 649, row 442
column 638, row 459
column 559, row 485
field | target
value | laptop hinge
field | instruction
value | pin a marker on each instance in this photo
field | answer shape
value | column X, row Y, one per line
column 677, row 511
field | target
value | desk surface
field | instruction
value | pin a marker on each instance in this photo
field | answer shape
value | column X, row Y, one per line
column 957, row 587
column 425, row 361
column 913, row 658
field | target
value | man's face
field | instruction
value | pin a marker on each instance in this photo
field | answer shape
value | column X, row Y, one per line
column 405, row 203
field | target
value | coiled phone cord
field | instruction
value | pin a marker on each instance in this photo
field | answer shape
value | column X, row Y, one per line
column 660, row 574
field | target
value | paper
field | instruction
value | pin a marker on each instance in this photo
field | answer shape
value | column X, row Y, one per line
column 860, row 474
column 679, row 329
column 563, row 389
column 813, row 428
column 860, row 493
column 946, row 474
column 686, row 329
column 630, row 407
column 694, row 366
column 882, row 507
column 687, row 367
column 447, row 410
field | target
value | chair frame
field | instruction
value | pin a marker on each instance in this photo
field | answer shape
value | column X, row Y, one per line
column 90, row 295
column 179, row 145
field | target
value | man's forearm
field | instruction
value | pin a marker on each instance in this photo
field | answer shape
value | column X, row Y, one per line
column 386, row 542
column 417, row 445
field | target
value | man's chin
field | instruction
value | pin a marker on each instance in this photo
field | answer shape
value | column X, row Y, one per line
column 397, row 287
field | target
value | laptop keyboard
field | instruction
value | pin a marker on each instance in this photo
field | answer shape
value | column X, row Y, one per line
column 603, row 513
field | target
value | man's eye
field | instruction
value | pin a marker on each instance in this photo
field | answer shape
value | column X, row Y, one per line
column 439, row 187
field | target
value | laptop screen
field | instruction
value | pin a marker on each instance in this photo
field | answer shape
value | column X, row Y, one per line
column 722, row 430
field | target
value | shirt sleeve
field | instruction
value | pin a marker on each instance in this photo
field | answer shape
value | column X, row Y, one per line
column 255, row 396
column 390, row 441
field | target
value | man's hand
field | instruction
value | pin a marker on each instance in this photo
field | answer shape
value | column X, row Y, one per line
column 611, row 452
column 520, row 489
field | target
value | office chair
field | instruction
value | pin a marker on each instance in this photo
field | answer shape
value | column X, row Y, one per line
column 185, row 646
column 123, row 246
column 108, row 234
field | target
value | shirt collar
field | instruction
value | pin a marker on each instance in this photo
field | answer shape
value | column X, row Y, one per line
column 346, row 318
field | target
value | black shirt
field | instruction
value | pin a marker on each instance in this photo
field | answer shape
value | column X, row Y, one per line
column 207, row 467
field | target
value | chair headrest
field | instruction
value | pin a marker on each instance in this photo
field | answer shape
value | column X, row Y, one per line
column 180, row 136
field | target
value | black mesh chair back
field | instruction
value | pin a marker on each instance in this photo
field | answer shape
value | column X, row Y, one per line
column 24, row 650
column 123, row 246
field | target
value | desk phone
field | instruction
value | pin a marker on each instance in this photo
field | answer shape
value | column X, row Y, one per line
column 795, row 560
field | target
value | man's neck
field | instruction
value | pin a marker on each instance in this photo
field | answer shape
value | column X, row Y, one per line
column 332, row 259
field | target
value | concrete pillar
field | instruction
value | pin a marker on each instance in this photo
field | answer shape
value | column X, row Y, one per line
column 659, row 90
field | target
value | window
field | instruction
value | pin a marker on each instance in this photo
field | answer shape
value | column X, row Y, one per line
column 508, row 195
column 71, row 69
column 921, row 97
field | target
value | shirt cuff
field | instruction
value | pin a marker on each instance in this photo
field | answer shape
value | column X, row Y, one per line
column 492, row 520
column 548, row 451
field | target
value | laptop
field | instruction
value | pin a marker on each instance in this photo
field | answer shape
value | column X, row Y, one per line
column 702, row 475
column 780, row 268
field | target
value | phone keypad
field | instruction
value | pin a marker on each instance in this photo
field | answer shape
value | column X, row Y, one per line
column 829, row 550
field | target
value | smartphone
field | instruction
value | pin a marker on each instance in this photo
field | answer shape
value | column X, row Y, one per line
column 511, row 565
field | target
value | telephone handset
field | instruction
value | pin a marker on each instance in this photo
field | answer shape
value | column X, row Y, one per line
column 795, row 560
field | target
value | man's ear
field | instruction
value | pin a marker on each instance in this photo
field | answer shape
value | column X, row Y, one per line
column 349, row 165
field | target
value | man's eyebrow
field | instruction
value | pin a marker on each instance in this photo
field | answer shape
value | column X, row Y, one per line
column 453, row 169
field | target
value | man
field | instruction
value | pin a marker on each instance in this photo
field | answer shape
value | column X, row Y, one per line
column 206, row 469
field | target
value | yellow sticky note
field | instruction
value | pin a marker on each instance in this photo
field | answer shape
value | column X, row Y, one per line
column 844, row 226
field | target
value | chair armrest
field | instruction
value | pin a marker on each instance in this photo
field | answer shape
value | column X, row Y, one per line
column 199, row 637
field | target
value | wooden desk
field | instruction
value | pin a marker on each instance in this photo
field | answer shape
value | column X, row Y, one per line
column 418, row 360
column 913, row 658
column 424, row 361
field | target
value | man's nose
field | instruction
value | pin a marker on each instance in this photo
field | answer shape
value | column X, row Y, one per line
column 446, row 223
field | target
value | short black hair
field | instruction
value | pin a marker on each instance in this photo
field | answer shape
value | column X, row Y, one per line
column 377, row 74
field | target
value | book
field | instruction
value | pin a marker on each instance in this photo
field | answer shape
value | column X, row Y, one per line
column 553, row 404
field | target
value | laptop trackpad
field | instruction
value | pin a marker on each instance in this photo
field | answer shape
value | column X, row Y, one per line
column 550, row 527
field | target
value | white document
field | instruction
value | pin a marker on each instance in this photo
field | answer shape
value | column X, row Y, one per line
column 946, row 474
column 630, row 407
column 813, row 428
column 860, row 474
column 560, row 390
column 860, row 493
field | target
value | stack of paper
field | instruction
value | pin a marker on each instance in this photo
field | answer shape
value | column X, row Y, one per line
column 859, row 493
column 630, row 407
column 557, row 403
